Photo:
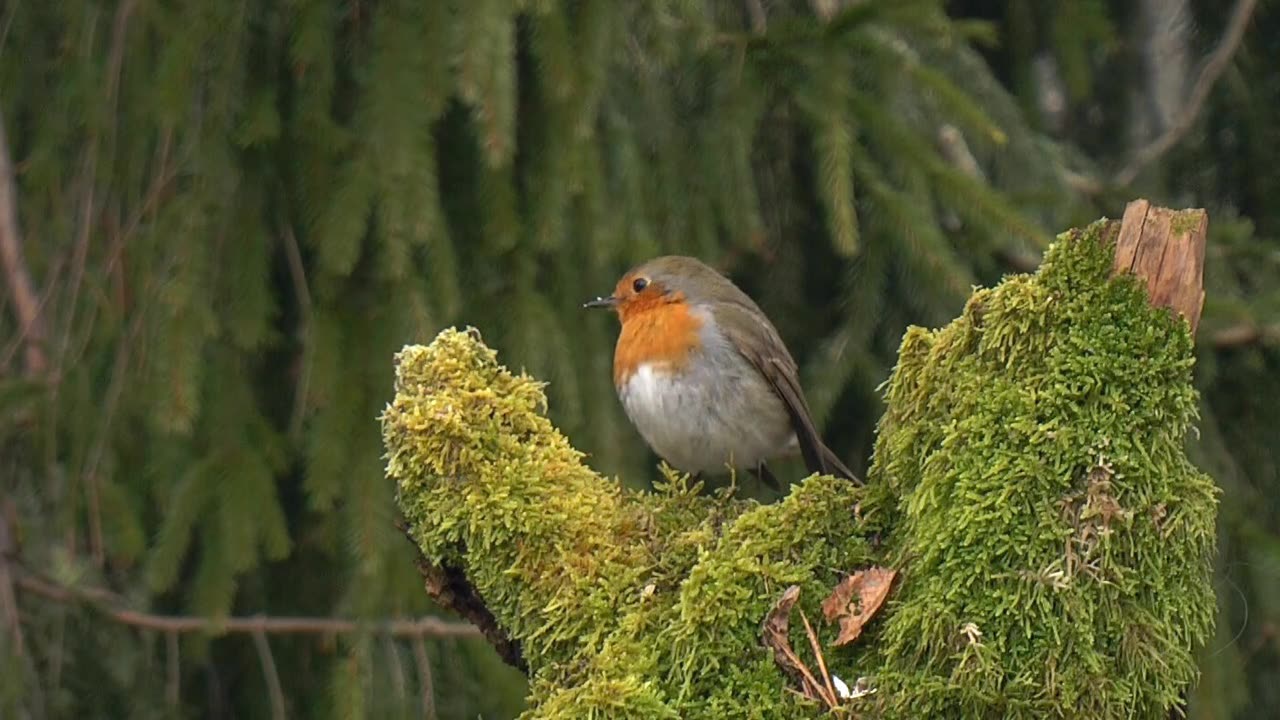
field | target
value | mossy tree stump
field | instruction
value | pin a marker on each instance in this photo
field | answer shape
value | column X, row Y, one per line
column 1053, row 543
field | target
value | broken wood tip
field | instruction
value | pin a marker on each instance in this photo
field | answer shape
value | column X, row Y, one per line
column 1165, row 249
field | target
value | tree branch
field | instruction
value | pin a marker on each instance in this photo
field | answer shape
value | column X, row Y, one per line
column 26, row 304
column 8, row 601
column 1217, row 62
column 450, row 589
column 106, row 603
column 1245, row 334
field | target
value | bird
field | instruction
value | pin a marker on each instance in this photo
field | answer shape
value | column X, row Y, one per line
column 705, row 377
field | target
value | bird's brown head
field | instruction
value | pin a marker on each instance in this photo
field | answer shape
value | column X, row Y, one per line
column 663, row 281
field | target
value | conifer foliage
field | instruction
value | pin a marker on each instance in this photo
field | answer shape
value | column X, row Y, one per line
column 234, row 213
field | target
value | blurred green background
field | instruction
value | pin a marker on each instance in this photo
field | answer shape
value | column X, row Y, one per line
column 220, row 219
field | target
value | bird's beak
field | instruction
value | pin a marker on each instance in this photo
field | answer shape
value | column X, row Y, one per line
column 601, row 302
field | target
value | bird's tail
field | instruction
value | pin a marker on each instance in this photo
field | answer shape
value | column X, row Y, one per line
column 828, row 464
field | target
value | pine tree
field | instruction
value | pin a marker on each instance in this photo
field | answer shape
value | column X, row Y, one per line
column 234, row 214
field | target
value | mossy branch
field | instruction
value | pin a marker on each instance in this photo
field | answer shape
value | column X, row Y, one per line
column 1029, row 485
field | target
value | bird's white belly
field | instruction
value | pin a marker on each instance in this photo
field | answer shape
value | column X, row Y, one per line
column 702, row 423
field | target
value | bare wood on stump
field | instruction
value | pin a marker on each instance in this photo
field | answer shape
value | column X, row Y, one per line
column 1165, row 249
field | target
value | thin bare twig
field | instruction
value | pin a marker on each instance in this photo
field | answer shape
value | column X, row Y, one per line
column 161, row 181
column 302, row 294
column 810, row 682
column 297, row 271
column 79, row 259
column 89, row 203
column 19, row 340
column 26, row 305
column 831, row 697
column 8, row 600
column 397, row 668
column 1214, row 66
column 115, row 390
column 270, row 675
column 426, row 684
column 7, row 24
column 108, row 604
column 57, row 650
column 9, row 610
column 1245, row 334
column 759, row 18
column 173, row 678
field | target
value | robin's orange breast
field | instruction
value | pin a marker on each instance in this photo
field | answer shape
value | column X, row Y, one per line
column 661, row 331
column 696, row 400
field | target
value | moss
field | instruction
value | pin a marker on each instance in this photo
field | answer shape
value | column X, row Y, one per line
column 1029, row 482
column 1056, row 540
column 627, row 604
column 1184, row 221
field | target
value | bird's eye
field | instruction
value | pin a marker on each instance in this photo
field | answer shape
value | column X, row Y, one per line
column 640, row 284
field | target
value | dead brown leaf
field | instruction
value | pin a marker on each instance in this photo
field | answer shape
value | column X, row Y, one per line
column 856, row 600
column 774, row 630
column 774, row 635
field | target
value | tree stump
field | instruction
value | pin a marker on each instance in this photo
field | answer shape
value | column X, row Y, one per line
column 1046, row 542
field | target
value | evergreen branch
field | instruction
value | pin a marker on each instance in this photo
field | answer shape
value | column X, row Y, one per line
column 853, row 15
column 834, row 146
column 26, row 305
column 1213, row 69
column 798, row 32
column 970, row 197
column 109, row 604
column 10, row 612
column 954, row 148
column 115, row 66
column 98, row 453
column 161, row 184
column 961, row 104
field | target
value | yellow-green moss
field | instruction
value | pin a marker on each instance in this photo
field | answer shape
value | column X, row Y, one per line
column 626, row 604
column 1029, row 482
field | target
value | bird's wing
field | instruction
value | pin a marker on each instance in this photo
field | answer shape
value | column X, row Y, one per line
column 758, row 342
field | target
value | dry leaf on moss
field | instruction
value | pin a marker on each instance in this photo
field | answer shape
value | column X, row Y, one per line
column 856, row 600
column 774, row 630
column 774, row 635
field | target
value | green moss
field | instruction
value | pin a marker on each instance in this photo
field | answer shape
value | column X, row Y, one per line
column 1034, row 451
column 1029, row 482
column 626, row 604
column 1184, row 221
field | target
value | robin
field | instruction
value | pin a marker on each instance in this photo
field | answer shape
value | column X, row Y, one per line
column 704, row 375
